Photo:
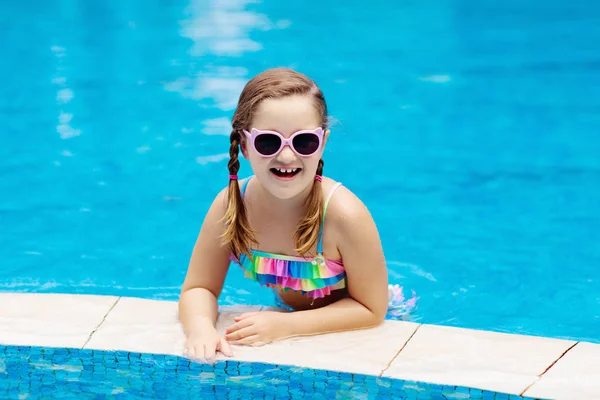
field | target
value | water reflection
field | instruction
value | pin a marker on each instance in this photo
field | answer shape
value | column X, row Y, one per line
column 216, row 126
column 222, row 27
column 219, row 28
column 221, row 86
column 203, row 160
column 64, row 95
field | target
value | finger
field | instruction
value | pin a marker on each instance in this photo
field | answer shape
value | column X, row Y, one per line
column 198, row 352
column 241, row 333
column 189, row 352
column 238, row 325
column 251, row 340
column 225, row 348
column 209, row 352
column 245, row 315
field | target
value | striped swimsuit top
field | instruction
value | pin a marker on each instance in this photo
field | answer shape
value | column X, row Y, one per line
column 315, row 277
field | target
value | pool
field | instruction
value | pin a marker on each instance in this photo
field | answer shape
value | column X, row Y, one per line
column 476, row 126
column 81, row 374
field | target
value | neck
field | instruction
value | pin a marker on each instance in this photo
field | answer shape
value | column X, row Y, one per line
column 294, row 206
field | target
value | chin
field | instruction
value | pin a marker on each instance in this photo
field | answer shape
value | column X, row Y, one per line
column 285, row 190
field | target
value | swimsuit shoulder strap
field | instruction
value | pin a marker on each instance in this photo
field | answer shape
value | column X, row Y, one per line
column 244, row 185
column 320, row 243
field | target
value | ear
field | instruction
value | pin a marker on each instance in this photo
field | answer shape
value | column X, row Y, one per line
column 325, row 137
column 244, row 147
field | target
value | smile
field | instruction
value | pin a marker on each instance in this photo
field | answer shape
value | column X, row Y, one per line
column 285, row 173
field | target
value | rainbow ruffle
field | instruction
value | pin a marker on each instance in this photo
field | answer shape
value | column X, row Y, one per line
column 313, row 279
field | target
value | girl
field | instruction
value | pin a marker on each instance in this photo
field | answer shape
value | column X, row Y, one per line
column 289, row 227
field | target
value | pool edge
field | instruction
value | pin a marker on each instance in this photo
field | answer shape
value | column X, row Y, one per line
column 531, row 366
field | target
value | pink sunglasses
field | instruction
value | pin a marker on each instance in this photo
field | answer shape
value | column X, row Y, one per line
column 269, row 143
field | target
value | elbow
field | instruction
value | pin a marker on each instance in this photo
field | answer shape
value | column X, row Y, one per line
column 378, row 317
column 375, row 314
column 379, row 312
column 372, row 321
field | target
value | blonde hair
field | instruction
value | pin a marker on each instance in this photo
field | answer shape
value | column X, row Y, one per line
column 273, row 83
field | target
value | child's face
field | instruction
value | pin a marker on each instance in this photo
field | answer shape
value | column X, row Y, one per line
column 286, row 116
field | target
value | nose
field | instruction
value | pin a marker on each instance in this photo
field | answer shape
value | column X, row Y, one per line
column 286, row 156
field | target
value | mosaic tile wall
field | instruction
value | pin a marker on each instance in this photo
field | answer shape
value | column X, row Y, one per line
column 49, row 373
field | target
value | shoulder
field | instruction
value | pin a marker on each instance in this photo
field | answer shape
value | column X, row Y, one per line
column 220, row 202
column 223, row 195
column 345, row 210
column 354, row 230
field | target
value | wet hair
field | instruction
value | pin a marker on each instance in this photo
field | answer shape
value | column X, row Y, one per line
column 270, row 84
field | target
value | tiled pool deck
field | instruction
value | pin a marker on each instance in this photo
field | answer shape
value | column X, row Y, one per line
column 515, row 364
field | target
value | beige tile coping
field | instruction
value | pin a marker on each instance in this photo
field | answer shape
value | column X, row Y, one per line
column 574, row 376
column 53, row 320
column 514, row 364
column 495, row 361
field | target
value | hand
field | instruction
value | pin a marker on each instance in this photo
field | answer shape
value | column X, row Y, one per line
column 204, row 346
column 259, row 328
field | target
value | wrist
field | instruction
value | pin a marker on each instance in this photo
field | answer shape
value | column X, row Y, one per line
column 200, row 325
column 290, row 322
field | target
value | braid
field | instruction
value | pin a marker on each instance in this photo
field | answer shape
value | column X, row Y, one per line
column 238, row 233
column 320, row 167
column 307, row 233
column 234, row 164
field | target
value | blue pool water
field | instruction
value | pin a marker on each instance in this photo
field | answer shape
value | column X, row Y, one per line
column 86, row 374
column 471, row 129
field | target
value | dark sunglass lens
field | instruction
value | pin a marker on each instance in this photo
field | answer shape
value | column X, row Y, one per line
column 306, row 143
column 267, row 144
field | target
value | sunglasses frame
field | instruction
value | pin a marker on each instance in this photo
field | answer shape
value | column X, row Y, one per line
column 254, row 133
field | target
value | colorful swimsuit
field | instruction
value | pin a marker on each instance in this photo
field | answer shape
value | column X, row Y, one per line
column 314, row 277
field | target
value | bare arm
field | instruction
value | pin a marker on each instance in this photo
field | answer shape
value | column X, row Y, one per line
column 361, row 250
column 206, row 273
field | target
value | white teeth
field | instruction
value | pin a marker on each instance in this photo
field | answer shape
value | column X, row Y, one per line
column 287, row 171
